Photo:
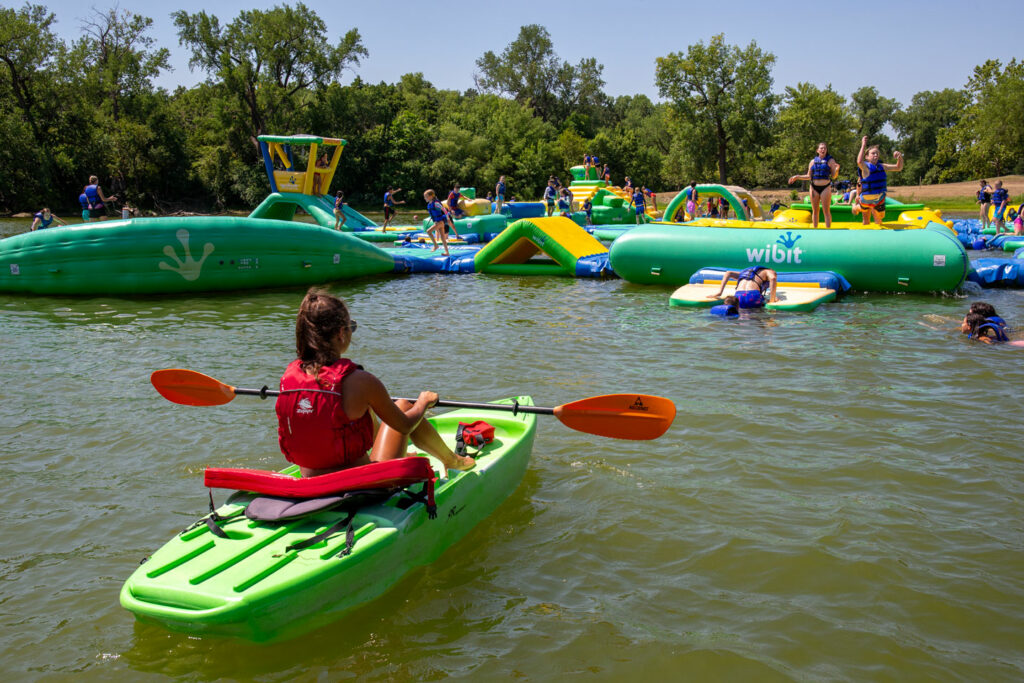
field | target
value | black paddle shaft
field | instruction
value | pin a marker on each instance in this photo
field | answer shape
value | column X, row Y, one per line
column 515, row 408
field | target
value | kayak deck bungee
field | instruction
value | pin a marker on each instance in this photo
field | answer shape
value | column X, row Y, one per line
column 255, row 584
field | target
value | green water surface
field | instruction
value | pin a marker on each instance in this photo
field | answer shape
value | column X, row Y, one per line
column 841, row 496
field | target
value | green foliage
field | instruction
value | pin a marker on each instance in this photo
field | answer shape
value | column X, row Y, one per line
column 989, row 138
column 68, row 111
column 919, row 125
column 529, row 71
column 726, row 89
column 808, row 116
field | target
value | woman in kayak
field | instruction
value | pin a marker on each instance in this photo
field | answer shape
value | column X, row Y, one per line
column 325, row 413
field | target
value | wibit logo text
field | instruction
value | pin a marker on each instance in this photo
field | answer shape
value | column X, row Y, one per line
column 788, row 252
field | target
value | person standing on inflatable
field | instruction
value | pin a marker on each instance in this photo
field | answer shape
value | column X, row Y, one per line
column 751, row 284
column 638, row 202
column 549, row 197
column 999, row 199
column 984, row 200
column 439, row 216
column 42, row 219
column 820, row 172
column 96, row 199
column 499, row 194
column 339, row 210
column 390, row 204
column 874, row 182
column 325, row 413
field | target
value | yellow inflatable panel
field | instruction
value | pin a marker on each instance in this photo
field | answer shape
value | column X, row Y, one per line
column 475, row 207
column 572, row 238
column 290, row 181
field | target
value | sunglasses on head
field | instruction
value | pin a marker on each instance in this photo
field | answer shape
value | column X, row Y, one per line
column 352, row 325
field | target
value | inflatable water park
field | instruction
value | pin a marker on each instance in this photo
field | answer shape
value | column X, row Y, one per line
column 917, row 251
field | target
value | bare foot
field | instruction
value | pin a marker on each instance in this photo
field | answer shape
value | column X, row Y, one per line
column 461, row 463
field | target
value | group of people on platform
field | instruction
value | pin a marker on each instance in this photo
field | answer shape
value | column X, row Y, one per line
column 868, row 197
column 997, row 198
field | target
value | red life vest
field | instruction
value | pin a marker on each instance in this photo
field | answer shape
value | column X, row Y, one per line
column 312, row 427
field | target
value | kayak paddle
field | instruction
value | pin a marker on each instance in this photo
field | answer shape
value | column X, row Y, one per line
column 638, row 417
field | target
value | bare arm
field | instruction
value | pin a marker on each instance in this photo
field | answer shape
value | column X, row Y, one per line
column 860, row 156
column 729, row 274
column 806, row 176
column 898, row 166
column 835, row 168
column 99, row 191
column 362, row 391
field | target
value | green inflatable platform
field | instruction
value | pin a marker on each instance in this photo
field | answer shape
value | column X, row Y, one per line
column 910, row 259
column 191, row 254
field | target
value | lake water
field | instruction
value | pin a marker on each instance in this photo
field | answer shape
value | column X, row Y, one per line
column 841, row 496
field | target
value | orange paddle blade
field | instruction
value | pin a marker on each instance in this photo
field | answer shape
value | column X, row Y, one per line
column 191, row 388
column 621, row 416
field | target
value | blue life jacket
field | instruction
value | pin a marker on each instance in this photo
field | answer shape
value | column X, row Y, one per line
column 875, row 183
column 820, row 169
column 500, row 189
column 338, row 203
column 387, row 199
column 996, row 320
column 725, row 311
column 593, row 160
column 453, row 199
column 549, row 192
column 434, row 208
column 1000, row 196
column 83, row 199
column 92, row 192
column 996, row 328
column 563, row 204
column 751, row 274
column 588, row 206
column 638, row 200
column 984, row 197
column 586, row 159
column 43, row 222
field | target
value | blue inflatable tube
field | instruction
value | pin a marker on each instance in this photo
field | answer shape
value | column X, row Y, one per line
column 997, row 272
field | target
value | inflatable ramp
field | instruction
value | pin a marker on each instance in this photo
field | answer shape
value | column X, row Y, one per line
column 281, row 207
column 795, row 291
column 569, row 249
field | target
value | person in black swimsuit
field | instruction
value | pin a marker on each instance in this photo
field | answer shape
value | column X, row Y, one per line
column 820, row 172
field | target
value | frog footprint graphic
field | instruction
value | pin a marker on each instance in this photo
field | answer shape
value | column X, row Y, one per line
column 189, row 268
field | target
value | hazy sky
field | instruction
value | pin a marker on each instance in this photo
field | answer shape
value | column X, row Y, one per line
column 899, row 47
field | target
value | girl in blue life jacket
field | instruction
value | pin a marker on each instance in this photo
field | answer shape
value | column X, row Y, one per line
column 638, row 202
column 751, row 284
column 984, row 201
column 1000, row 196
column 97, row 200
column 439, row 217
column 345, row 432
column 874, row 182
column 43, row 218
column 986, row 330
column 820, row 172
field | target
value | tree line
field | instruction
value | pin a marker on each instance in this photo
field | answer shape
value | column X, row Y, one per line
column 70, row 110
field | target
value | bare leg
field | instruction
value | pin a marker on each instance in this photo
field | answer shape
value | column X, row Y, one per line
column 443, row 232
column 391, row 444
column 815, row 202
column 826, row 207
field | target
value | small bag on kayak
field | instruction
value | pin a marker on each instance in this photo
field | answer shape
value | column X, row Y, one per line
column 476, row 434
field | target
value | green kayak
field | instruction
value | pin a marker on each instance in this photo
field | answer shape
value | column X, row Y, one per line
column 250, row 584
